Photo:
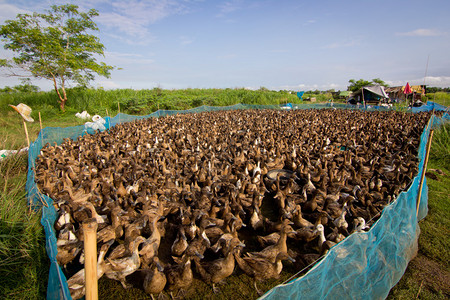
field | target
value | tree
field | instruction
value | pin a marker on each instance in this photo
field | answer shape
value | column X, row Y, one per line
column 356, row 85
column 55, row 46
column 380, row 82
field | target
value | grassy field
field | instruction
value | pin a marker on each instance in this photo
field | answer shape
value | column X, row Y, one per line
column 23, row 261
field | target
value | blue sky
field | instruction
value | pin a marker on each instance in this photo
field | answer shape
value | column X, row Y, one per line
column 293, row 45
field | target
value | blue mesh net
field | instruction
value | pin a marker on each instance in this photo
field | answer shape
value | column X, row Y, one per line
column 364, row 265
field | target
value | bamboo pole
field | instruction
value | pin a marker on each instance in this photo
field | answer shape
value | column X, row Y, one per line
column 362, row 95
column 427, row 154
column 26, row 132
column 118, row 107
column 90, row 260
column 40, row 120
column 107, row 113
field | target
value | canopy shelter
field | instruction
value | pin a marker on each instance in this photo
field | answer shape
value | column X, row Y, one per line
column 369, row 94
column 397, row 93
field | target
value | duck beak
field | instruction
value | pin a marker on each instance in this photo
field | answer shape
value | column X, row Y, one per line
column 198, row 255
column 159, row 267
column 291, row 259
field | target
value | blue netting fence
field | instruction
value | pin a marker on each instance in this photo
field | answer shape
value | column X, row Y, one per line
column 364, row 265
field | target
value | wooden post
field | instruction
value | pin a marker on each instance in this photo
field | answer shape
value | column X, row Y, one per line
column 362, row 95
column 40, row 120
column 90, row 258
column 427, row 154
column 26, row 132
column 118, row 107
column 107, row 113
column 42, row 135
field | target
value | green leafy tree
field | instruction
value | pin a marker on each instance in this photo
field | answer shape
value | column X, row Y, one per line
column 380, row 82
column 55, row 46
column 357, row 84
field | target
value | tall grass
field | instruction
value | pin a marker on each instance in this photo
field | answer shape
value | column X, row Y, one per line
column 97, row 101
column 441, row 145
column 422, row 279
column 23, row 262
column 439, row 97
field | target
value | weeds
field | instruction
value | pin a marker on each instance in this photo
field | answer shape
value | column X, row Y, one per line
column 23, row 262
column 441, row 145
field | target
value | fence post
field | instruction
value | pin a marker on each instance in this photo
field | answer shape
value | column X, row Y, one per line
column 427, row 153
column 90, row 260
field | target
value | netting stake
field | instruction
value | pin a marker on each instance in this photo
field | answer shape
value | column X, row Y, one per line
column 422, row 177
column 90, row 262
column 40, row 120
column 26, row 133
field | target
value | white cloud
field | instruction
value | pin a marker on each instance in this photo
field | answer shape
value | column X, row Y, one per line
column 342, row 44
column 311, row 87
column 229, row 7
column 438, row 81
column 421, row 32
column 108, row 84
column 133, row 18
column 185, row 40
column 9, row 12
column 128, row 58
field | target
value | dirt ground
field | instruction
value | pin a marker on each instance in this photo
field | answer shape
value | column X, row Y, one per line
column 430, row 275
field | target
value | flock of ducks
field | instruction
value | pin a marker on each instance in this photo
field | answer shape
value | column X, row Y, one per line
column 201, row 195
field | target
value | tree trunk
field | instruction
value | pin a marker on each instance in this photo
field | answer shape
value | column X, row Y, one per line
column 62, row 98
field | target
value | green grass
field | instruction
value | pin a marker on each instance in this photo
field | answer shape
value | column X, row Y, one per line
column 24, row 263
column 97, row 101
column 428, row 275
column 439, row 97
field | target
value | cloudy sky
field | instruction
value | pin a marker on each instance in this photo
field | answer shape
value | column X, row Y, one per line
column 277, row 44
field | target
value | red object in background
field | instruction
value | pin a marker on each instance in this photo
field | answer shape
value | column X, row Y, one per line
column 407, row 89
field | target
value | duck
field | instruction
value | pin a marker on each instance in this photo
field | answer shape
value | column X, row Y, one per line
column 360, row 225
column 66, row 235
column 68, row 252
column 306, row 234
column 298, row 219
column 155, row 279
column 261, row 268
column 200, row 243
column 150, row 246
column 180, row 244
column 119, row 268
column 180, row 276
column 217, row 270
column 271, row 251
column 76, row 282
column 323, row 244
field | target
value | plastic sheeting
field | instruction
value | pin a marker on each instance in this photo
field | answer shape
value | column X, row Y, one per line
column 364, row 265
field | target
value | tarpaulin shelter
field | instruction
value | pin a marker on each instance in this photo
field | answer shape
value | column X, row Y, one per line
column 397, row 94
column 369, row 94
